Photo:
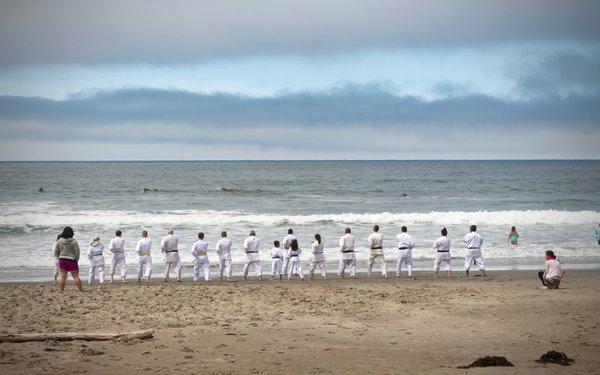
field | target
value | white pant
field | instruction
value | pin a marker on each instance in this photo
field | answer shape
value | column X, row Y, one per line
column 225, row 267
column 256, row 265
column 314, row 263
column 295, row 267
column 379, row 258
column 404, row 256
column 285, row 263
column 55, row 268
column 99, row 268
column 175, row 264
column 145, row 266
column 201, row 262
column 442, row 258
column 348, row 262
column 276, row 267
column 474, row 254
column 118, row 260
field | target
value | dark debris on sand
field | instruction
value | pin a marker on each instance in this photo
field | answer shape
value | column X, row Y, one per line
column 559, row 358
column 489, row 361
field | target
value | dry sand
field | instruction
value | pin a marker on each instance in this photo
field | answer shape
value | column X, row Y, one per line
column 419, row 325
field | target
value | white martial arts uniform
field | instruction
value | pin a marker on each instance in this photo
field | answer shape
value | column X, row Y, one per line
column 347, row 256
column 295, row 266
column 473, row 240
column 223, row 249
column 276, row 261
column 169, row 246
column 442, row 247
column 200, row 254
column 117, row 247
column 405, row 244
column 376, row 255
column 96, row 262
column 285, row 244
column 251, row 247
column 317, row 260
column 55, row 263
column 142, row 248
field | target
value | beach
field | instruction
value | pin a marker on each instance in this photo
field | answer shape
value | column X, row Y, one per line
column 394, row 325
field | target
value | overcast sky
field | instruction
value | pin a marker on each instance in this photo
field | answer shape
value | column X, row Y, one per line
column 122, row 80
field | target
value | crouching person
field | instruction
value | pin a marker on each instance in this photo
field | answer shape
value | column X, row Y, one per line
column 554, row 273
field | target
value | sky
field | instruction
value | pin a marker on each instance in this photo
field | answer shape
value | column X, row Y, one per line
column 240, row 80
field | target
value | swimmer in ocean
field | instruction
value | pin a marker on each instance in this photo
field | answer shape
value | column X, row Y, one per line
column 513, row 236
column 41, row 190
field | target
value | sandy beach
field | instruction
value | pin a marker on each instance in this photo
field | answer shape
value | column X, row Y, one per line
column 396, row 325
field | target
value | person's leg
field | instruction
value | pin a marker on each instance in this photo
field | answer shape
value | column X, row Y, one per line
column 228, row 268
column 196, row 271
column 177, row 268
column 113, row 267
column 449, row 268
column 221, row 268
column 91, row 274
column 299, row 270
column 246, row 268
column 398, row 265
column 273, row 268
column 383, row 265
column 480, row 264
column 341, row 268
column 206, row 267
column 62, row 279
column 123, row 270
column 542, row 278
column 408, row 262
column 370, row 264
column 258, row 269
column 436, row 265
column 167, row 271
column 140, row 269
column 323, row 271
column 311, row 269
column 75, row 275
column 468, row 261
column 290, row 269
column 286, row 263
column 148, row 273
column 353, row 268
column 101, row 273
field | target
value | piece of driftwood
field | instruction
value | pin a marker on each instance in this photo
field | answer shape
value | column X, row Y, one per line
column 70, row 336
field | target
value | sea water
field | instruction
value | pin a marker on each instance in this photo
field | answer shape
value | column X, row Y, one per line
column 554, row 205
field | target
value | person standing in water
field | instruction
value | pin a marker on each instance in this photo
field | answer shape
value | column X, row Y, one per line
column 513, row 236
column 597, row 234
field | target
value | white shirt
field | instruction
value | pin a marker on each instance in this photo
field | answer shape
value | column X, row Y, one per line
column 95, row 250
column 347, row 242
column 143, row 246
column 553, row 269
column 169, row 243
column 473, row 240
column 223, row 248
column 376, row 241
column 442, row 244
column 405, row 240
column 251, row 244
column 199, row 248
column 287, row 241
column 117, row 245
column 317, row 248
column 276, row 254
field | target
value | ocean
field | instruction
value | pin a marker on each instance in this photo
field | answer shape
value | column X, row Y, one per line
column 554, row 205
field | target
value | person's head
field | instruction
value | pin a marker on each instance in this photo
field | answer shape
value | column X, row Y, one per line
column 67, row 233
column 252, row 233
column 404, row 229
column 144, row 233
column 223, row 234
column 290, row 231
column 276, row 243
column 200, row 235
column 294, row 245
column 118, row 233
column 318, row 237
column 347, row 231
column 513, row 228
column 95, row 241
column 170, row 231
column 473, row 228
column 375, row 228
column 444, row 232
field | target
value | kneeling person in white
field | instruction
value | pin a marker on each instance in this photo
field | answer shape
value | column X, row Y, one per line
column 276, row 260
column 376, row 246
column 251, row 247
column 347, row 256
column 405, row 243
column 442, row 255
column 473, row 240
column 170, row 246
column 318, row 258
column 200, row 254
column 143, row 247
column 117, row 247
column 96, row 260
column 223, row 248
column 295, row 266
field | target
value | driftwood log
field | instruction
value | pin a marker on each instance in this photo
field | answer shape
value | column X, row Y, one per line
column 69, row 336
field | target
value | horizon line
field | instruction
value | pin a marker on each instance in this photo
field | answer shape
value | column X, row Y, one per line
column 283, row 160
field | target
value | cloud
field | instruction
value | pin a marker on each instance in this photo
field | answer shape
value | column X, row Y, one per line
column 184, row 31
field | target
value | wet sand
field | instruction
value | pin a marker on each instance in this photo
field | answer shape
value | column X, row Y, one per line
column 395, row 325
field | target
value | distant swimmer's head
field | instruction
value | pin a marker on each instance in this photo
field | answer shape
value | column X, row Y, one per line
column 347, row 231
column 473, row 228
column 276, row 243
column 375, row 228
column 294, row 245
column 404, row 229
column 318, row 237
column 67, row 233
column 200, row 235
column 513, row 228
column 95, row 241
column 144, row 233
column 252, row 233
column 118, row 233
column 290, row 231
column 170, row 231
column 223, row 234
column 41, row 189
column 444, row 232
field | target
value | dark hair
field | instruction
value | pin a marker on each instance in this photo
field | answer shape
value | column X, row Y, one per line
column 294, row 245
column 118, row 233
column 473, row 228
column 252, row 233
column 276, row 243
column 376, row 228
column 59, row 236
column 318, row 237
column 347, row 230
column 223, row 234
column 67, row 233
column 290, row 231
column 201, row 235
column 550, row 253
column 144, row 233
column 444, row 232
column 513, row 228
column 404, row 229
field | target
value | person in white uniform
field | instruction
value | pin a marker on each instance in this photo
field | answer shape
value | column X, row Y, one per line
column 223, row 248
column 473, row 240
column 405, row 244
column 295, row 266
column 55, row 260
column 142, row 248
column 96, row 258
column 251, row 247
column 117, row 248
column 200, row 254
column 170, row 246
column 276, row 261
column 376, row 255
column 442, row 254
column 347, row 256
column 317, row 259
column 287, row 241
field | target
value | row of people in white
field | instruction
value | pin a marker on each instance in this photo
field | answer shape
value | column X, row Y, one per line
column 284, row 262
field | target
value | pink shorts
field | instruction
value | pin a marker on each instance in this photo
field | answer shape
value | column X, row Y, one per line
column 68, row 265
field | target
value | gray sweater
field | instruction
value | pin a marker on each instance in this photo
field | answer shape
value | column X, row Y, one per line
column 66, row 248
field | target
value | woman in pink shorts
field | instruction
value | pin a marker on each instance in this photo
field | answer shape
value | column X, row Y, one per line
column 67, row 253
